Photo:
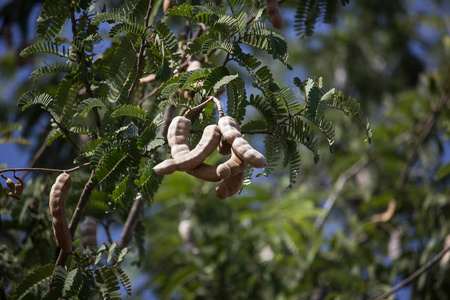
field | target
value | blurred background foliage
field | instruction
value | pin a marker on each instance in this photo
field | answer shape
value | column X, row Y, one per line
column 356, row 223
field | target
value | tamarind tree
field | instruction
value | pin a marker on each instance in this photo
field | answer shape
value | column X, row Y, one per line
column 123, row 72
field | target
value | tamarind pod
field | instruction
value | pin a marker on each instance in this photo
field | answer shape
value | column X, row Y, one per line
column 205, row 147
column 13, row 195
column 166, row 167
column 205, row 172
column 273, row 10
column 166, row 5
column 234, row 165
column 147, row 79
column 208, row 143
column 229, row 128
column 89, row 232
column 224, row 147
column 277, row 21
column 230, row 186
column 178, row 136
column 194, row 65
column 246, row 152
column 230, row 131
column 272, row 7
column 10, row 184
column 57, row 205
column 18, row 187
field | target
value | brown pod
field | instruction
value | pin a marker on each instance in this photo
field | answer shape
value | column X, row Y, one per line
column 18, row 187
column 205, row 172
column 224, row 147
column 208, row 143
column 230, row 186
column 57, row 204
column 277, row 21
column 273, row 10
column 194, row 65
column 178, row 136
column 166, row 5
column 89, row 233
column 229, row 128
column 10, row 184
column 245, row 151
column 231, row 132
column 231, row 167
column 13, row 195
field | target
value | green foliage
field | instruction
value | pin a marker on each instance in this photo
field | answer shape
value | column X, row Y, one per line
column 34, row 278
column 309, row 12
column 113, row 121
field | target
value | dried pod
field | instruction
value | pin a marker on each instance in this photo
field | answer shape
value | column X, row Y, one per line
column 194, row 65
column 273, row 10
column 231, row 167
column 178, row 136
column 229, row 186
column 245, row 151
column 208, row 143
column 89, row 232
column 230, row 131
column 205, row 172
column 10, row 184
column 18, row 187
column 57, row 205
column 166, row 5
column 224, row 147
column 13, row 195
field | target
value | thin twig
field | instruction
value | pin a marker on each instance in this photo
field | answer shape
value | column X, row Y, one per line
column 155, row 90
column 414, row 275
column 130, row 223
column 36, row 157
column 423, row 128
column 73, row 22
column 140, row 55
column 340, row 182
column 45, row 169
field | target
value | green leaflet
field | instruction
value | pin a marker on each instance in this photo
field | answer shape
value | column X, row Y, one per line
column 46, row 47
column 194, row 13
column 88, row 104
column 309, row 12
column 34, row 278
column 54, row 67
column 237, row 99
column 297, row 130
column 30, row 98
column 122, row 71
column 112, row 166
column 149, row 182
column 128, row 110
column 124, row 192
column 52, row 18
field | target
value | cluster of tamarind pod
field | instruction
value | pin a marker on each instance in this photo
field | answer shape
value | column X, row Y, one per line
column 226, row 138
column 14, row 189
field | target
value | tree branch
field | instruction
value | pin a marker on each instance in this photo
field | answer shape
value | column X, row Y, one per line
column 414, row 275
column 45, row 169
column 340, row 182
column 130, row 223
column 140, row 55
